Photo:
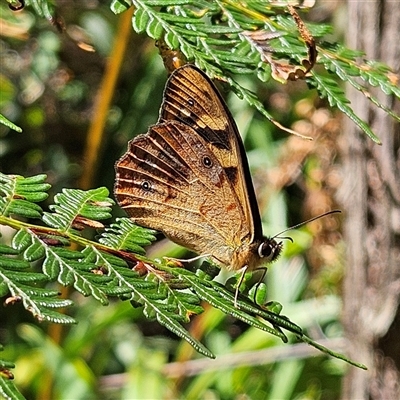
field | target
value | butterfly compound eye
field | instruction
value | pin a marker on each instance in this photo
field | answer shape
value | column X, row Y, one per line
column 269, row 249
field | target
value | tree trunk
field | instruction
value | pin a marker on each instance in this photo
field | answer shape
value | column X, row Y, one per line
column 371, row 200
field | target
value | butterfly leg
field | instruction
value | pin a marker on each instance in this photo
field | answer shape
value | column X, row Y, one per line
column 264, row 271
column 239, row 283
column 187, row 260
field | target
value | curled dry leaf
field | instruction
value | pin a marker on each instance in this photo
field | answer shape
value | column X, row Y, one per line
column 10, row 301
column 282, row 71
column 81, row 223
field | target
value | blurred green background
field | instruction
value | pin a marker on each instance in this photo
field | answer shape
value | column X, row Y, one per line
column 49, row 85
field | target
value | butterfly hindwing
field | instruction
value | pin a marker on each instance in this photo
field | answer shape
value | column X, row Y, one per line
column 169, row 180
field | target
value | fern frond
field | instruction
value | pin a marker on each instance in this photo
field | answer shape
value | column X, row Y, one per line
column 114, row 266
column 7, row 387
column 343, row 62
column 17, row 280
column 224, row 49
column 160, row 297
column 124, row 235
column 19, row 195
column 75, row 209
column 336, row 97
column 211, row 293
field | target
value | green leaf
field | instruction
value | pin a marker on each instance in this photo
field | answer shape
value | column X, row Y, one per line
column 119, row 6
column 52, row 302
column 177, row 19
column 188, row 33
column 217, row 29
column 140, row 20
column 9, row 124
column 18, row 195
column 21, row 240
column 325, row 350
column 8, row 390
column 171, row 40
column 3, row 289
column 33, row 180
column 329, row 88
column 51, row 267
column 13, row 264
column 71, row 204
column 125, row 235
column 4, row 249
column 154, row 28
column 24, row 209
column 54, row 317
column 28, row 277
column 38, row 291
column 34, row 252
column 65, row 274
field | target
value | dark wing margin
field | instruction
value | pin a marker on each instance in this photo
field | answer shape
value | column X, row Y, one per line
column 192, row 98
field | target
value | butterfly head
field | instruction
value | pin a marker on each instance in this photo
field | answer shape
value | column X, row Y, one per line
column 269, row 250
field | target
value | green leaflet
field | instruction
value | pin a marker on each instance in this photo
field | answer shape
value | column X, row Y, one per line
column 140, row 20
column 21, row 283
column 7, row 388
column 119, row 6
column 9, row 124
column 190, row 27
column 154, row 28
column 18, row 195
column 74, row 207
column 329, row 88
column 125, row 235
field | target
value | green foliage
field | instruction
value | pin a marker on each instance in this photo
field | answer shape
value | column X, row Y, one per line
column 327, row 87
column 7, row 387
column 9, row 124
column 19, row 195
column 56, row 248
column 109, row 267
column 223, row 49
column 125, row 235
column 44, row 8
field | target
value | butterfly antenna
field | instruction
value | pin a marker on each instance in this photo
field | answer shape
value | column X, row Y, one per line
column 283, row 237
column 304, row 223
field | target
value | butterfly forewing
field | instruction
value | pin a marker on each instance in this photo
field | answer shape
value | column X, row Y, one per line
column 191, row 98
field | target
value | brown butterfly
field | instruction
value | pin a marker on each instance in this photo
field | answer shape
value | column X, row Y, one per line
column 189, row 178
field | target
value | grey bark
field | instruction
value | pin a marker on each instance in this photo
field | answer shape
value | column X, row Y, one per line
column 370, row 196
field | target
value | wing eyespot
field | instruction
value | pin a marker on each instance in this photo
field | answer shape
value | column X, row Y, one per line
column 146, row 186
column 191, row 102
column 207, row 162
